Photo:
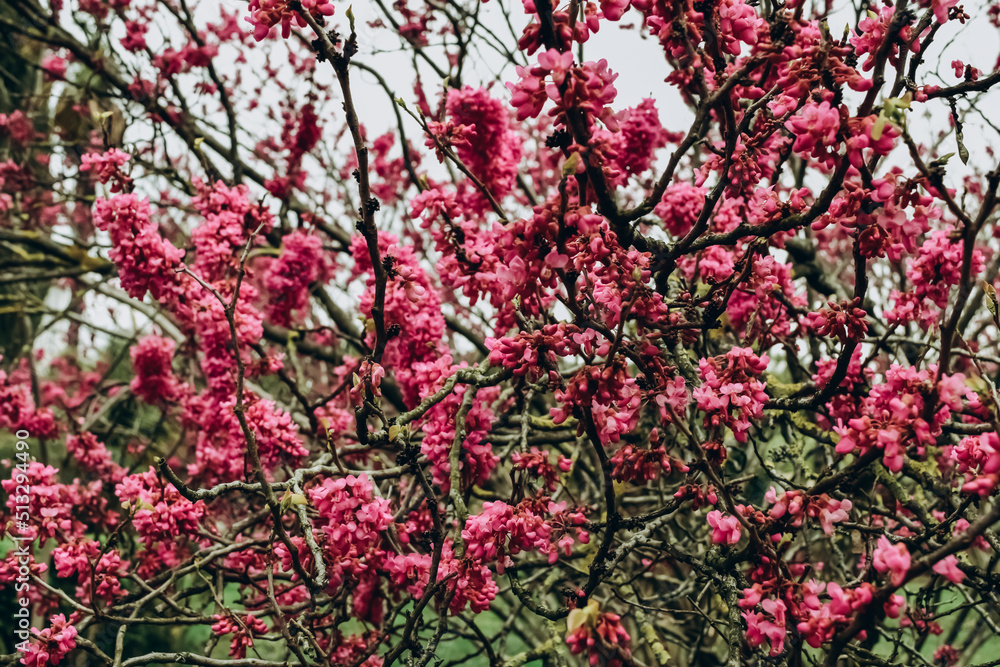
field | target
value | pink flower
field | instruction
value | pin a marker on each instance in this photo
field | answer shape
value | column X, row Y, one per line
column 369, row 378
column 243, row 631
column 154, row 380
column 614, row 9
column 107, row 167
column 601, row 635
column 265, row 14
column 760, row 627
column 940, row 8
column 501, row 531
column 680, row 207
column 731, row 394
column 892, row 558
column 725, row 529
column 492, row 150
column 54, row 66
column 738, row 22
column 146, row 262
column 350, row 515
column 947, row 567
column 50, row 645
column 288, row 279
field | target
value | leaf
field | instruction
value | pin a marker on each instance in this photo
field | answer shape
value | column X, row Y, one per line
column 393, row 432
column 290, row 499
column 963, row 152
column 750, row 322
column 991, row 298
column 113, row 123
column 824, row 29
column 350, row 16
column 879, row 126
column 581, row 617
column 570, row 165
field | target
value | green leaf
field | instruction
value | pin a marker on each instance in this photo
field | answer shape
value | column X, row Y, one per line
column 963, row 152
column 290, row 499
column 879, row 126
column 991, row 298
column 570, row 165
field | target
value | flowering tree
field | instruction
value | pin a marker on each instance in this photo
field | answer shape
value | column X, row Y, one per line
column 526, row 374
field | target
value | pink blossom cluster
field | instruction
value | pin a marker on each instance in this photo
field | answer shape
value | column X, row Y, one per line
column 492, row 149
column 894, row 415
column 640, row 465
column 93, row 456
column 725, row 528
column 680, row 207
column 978, row 458
column 161, row 513
column 933, row 273
column 501, row 531
column 351, row 517
column 844, row 321
column 107, row 168
column 827, row 618
column 872, row 33
column 288, row 279
column 93, row 570
column 145, row 260
column 242, row 629
column 471, row 584
column 154, row 380
column 50, row 645
column 731, row 393
column 476, row 458
column 816, row 127
column 605, row 641
column 606, row 394
column 587, row 88
column 265, row 14
column 56, row 506
column 794, row 506
column 538, row 463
